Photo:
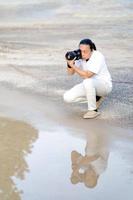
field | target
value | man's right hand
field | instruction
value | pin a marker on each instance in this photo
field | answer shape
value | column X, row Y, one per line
column 70, row 70
column 70, row 63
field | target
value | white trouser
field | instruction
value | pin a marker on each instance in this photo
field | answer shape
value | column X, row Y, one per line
column 89, row 88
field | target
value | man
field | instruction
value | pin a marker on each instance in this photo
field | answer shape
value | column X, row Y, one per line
column 96, row 77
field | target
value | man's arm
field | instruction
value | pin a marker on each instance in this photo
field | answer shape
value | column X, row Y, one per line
column 80, row 72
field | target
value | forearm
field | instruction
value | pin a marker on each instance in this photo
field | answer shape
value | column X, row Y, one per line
column 82, row 73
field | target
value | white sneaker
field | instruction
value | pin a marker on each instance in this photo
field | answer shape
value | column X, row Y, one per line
column 91, row 114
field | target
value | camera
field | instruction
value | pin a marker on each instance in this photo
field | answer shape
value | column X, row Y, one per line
column 73, row 55
column 76, row 55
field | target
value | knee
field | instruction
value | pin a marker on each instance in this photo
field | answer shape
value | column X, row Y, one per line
column 67, row 97
column 88, row 82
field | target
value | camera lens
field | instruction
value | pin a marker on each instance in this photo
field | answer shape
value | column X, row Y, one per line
column 76, row 54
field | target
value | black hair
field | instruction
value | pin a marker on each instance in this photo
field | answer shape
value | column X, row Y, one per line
column 88, row 42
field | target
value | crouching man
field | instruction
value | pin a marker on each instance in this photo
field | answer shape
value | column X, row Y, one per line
column 96, row 82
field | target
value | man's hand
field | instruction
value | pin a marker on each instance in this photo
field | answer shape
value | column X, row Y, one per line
column 71, row 63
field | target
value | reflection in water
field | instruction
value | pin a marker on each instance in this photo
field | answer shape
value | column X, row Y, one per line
column 87, row 169
column 16, row 140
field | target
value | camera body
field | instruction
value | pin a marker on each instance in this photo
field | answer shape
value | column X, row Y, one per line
column 73, row 55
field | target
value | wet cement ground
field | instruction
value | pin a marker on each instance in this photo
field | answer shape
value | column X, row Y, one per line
column 47, row 150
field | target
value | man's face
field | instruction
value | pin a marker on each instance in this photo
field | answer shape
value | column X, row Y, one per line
column 85, row 51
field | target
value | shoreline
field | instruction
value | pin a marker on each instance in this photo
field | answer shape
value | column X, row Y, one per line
column 53, row 110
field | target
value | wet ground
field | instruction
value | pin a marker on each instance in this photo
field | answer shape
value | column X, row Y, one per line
column 47, row 150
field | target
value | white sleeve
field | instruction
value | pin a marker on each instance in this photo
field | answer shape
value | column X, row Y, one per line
column 96, row 64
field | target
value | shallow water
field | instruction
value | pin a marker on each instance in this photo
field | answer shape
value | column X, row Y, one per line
column 36, row 147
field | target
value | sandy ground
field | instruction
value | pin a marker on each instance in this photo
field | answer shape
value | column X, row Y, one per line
column 32, row 81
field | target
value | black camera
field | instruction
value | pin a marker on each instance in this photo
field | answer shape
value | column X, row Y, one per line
column 76, row 55
column 73, row 55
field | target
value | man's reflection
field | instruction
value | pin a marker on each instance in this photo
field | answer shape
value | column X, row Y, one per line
column 88, row 168
column 16, row 140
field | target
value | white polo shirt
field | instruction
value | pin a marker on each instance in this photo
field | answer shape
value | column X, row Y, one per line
column 97, row 65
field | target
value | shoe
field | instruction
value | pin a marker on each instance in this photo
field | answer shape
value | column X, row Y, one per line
column 91, row 114
column 99, row 101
